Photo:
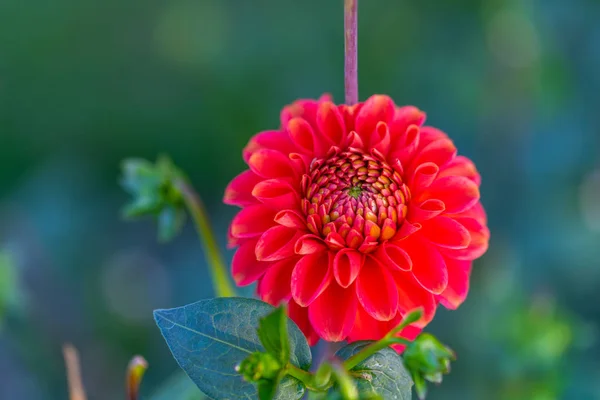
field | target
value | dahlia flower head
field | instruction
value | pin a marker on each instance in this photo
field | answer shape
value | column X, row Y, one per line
column 355, row 216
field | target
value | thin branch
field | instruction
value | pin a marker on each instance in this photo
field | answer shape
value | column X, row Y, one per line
column 76, row 390
column 351, row 51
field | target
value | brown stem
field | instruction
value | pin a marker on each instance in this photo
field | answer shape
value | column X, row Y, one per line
column 351, row 51
column 76, row 390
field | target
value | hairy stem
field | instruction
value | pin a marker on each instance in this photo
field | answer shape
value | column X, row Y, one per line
column 221, row 282
column 351, row 51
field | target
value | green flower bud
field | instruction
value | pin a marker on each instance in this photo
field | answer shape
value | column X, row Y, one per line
column 259, row 366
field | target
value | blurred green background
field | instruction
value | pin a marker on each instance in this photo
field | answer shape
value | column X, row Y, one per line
column 86, row 83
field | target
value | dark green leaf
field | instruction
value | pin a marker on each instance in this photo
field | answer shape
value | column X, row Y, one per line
column 210, row 337
column 272, row 331
column 383, row 373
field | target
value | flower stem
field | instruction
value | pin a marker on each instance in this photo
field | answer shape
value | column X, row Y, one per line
column 303, row 376
column 388, row 340
column 221, row 283
column 351, row 51
column 76, row 390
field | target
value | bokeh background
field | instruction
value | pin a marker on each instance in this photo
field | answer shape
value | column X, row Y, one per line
column 86, row 83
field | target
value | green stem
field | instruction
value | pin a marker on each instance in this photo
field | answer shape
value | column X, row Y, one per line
column 220, row 277
column 388, row 340
column 303, row 376
column 345, row 382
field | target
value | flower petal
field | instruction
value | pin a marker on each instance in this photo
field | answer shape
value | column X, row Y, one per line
column 458, row 283
column 439, row 152
column 239, row 190
column 480, row 236
column 457, row 192
column 429, row 267
column 309, row 244
column 376, row 108
column 291, row 219
column 446, row 232
column 302, row 134
column 300, row 316
column 331, row 123
column 333, row 313
column 276, row 243
column 252, row 221
column 393, row 256
column 411, row 296
column 423, row 177
column 274, row 140
column 311, row 277
column 276, row 193
column 461, row 166
column 271, row 164
column 376, row 290
column 275, row 285
column 428, row 209
column 245, row 268
column 346, row 266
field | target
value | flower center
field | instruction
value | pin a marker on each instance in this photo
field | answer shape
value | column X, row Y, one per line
column 355, row 200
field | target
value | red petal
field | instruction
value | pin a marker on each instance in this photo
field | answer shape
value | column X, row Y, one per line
column 311, row 277
column 411, row 296
column 346, row 266
column 480, row 236
column 275, row 285
column 274, row 140
column 404, row 117
column 368, row 328
column 276, row 243
column 446, row 232
column 252, row 221
column 458, row 193
column 271, row 164
column 405, row 146
column 458, row 283
column 461, row 166
column 393, row 256
column 300, row 316
column 376, row 108
column 239, row 190
column 439, row 152
column 309, row 244
column 423, row 176
column 291, row 219
column 409, row 333
column 333, row 313
column 245, row 268
column 331, row 123
column 276, row 193
column 376, row 290
column 429, row 267
column 302, row 135
column 426, row 210
column 380, row 140
column 430, row 134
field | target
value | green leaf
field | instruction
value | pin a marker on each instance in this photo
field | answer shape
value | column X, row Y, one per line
column 210, row 338
column 272, row 332
column 383, row 373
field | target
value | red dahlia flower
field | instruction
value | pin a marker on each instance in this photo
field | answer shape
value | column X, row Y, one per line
column 356, row 215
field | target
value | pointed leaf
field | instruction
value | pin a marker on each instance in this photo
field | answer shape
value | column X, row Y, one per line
column 210, row 337
column 383, row 373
